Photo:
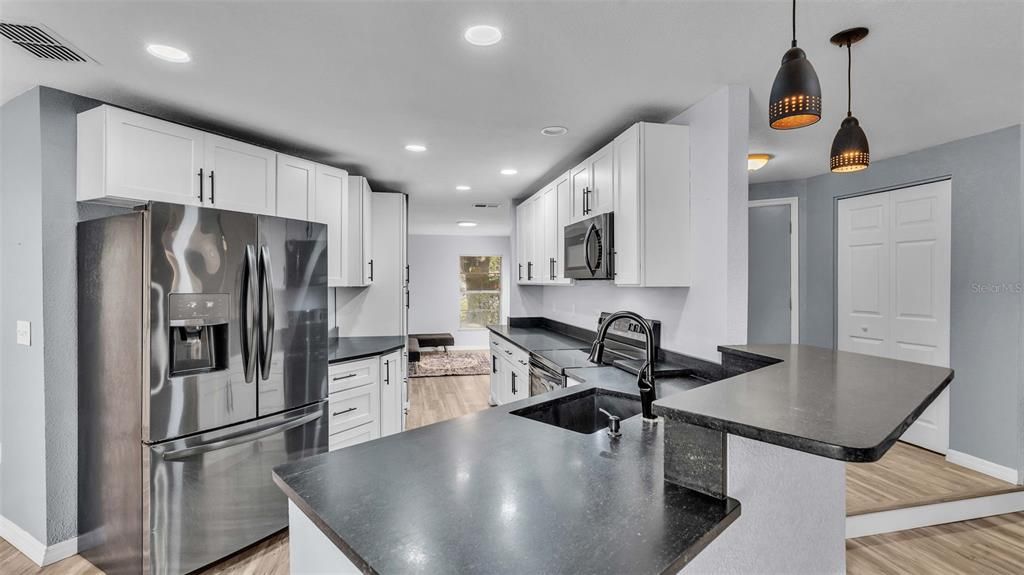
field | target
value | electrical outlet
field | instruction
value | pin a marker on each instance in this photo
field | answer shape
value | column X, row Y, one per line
column 24, row 332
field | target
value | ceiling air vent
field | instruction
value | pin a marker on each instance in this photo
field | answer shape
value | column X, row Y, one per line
column 486, row 205
column 42, row 43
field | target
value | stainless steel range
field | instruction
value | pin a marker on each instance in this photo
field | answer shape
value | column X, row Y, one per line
column 202, row 365
column 625, row 345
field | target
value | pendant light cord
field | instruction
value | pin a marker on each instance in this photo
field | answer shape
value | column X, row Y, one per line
column 794, row 23
column 849, row 79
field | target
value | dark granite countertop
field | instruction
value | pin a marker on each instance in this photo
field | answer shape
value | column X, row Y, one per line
column 534, row 339
column 341, row 349
column 840, row 405
column 493, row 492
column 608, row 376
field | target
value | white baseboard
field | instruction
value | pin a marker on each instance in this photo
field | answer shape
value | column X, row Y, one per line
column 40, row 554
column 934, row 514
column 1007, row 474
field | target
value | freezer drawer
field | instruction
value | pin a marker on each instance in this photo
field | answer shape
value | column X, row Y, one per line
column 213, row 494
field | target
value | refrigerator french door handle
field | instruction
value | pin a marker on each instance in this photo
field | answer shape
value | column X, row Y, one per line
column 247, row 317
column 267, row 319
column 187, row 452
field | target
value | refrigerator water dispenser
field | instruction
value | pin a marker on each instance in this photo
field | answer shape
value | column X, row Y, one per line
column 198, row 337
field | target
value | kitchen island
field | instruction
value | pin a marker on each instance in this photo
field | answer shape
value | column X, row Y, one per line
column 494, row 492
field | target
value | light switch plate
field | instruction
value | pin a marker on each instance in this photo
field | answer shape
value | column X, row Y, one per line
column 24, row 332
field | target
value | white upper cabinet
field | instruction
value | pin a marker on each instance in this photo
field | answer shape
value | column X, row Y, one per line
column 357, row 234
column 239, row 176
column 296, row 187
column 592, row 184
column 331, row 189
column 540, row 242
column 128, row 159
column 563, row 192
column 652, row 206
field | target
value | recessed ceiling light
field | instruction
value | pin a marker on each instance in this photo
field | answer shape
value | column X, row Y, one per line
column 463, row 188
column 169, row 53
column 466, row 224
column 483, row 35
column 757, row 161
column 416, row 148
column 555, row 131
column 509, row 172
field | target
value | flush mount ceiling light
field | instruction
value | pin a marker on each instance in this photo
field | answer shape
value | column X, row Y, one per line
column 509, row 172
column 466, row 224
column 757, row 161
column 463, row 188
column 554, row 131
column 416, row 148
column 169, row 53
column 850, row 147
column 483, row 35
column 796, row 94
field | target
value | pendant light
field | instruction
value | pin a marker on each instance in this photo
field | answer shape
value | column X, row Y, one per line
column 796, row 94
column 850, row 147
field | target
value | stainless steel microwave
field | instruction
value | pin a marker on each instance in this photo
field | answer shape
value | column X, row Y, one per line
column 588, row 249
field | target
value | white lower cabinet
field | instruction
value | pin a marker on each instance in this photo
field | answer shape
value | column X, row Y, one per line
column 392, row 381
column 510, row 372
column 354, row 436
column 365, row 399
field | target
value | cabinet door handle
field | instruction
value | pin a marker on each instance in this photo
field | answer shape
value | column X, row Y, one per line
column 387, row 372
column 371, row 270
column 407, row 298
column 211, row 186
column 344, row 411
column 551, row 265
column 520, row 272
column 513, row 383
column 346, row 376
column 494, row 364
column 200, row 185
column 529, row 271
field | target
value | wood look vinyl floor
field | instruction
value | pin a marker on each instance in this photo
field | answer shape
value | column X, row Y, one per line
column 908, row 476
column 990, row 545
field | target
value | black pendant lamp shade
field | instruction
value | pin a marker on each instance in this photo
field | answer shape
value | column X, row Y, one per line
column 850, row 151
column 796, row 94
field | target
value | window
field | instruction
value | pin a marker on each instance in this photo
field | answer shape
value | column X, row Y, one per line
column 480, row 282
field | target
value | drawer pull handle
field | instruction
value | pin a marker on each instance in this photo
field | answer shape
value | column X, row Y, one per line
column 349, row 376
column 344, row 411
column 508, row 351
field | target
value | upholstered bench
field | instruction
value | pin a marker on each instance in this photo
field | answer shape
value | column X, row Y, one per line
column 421, row 340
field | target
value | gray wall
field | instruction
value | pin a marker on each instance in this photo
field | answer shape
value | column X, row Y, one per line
column 40, row 383
column 986, row 328
column 434, row 293
column 21, row 374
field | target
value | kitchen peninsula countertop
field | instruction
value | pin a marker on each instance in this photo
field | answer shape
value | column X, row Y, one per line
column 341, row 349
column 492, row 492
column 835, row 404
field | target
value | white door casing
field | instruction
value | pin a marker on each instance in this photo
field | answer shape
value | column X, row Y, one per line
column 894, row 286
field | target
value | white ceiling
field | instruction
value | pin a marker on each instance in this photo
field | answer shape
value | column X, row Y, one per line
column 350, row 83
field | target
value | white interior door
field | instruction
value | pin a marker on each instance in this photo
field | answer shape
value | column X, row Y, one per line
column 894, row 286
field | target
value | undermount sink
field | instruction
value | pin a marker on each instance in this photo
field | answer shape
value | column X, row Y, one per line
column 579, row 412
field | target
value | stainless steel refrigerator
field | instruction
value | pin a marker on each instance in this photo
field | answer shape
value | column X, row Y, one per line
column 202, row 364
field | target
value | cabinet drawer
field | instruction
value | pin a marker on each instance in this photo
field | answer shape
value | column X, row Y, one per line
column 354, row 436
column 507, row 350
column 353, row 374
column 353, row 407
